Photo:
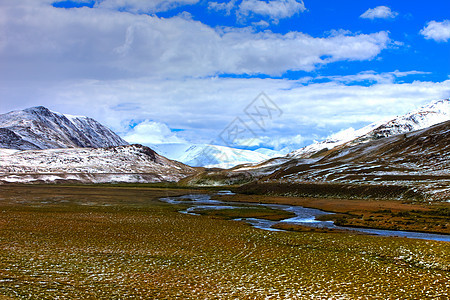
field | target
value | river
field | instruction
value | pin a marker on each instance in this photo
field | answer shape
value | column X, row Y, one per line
column 303, row 216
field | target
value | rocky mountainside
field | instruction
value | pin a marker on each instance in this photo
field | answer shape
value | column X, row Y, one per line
column 39, row 128
column 133, row 163
column 426, row 116
column 414, row 156
column 418, row 160
column 410, row 164
column 415, row 165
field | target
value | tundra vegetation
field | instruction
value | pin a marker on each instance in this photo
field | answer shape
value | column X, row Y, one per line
column 91, row 242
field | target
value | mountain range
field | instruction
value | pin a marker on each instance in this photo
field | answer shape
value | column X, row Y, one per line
column 426, row 116
column 133, row 163
column 40, row 145
column 403, row 156
column 212, row 156
column 397, row 158
column 38, row 128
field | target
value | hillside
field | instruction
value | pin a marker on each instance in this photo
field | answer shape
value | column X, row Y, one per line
column 39, row 128
column 133, row 163
column 414, row 164
column 426, row 116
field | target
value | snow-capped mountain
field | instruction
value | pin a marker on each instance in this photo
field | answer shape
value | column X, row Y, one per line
column 417, row 160
column 426, row 116
column 39, row 128
column 404, row 156
column 211, row 156
column 413, row 165
column 133, row 163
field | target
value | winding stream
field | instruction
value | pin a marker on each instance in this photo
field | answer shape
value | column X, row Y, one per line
column 303, row 216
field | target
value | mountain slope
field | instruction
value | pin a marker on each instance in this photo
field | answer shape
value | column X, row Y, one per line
column 426, row 116
column 410, row 165
column 209, row 156
column 133, row 163
column 39, row 128
column 417, row 160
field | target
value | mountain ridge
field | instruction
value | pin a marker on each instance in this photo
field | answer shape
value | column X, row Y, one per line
column 393, row 159
column 210, row 156
column 130, row 163
column 430, row 114
column 39, row 128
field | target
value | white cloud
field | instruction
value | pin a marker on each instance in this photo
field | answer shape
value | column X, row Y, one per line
column 149, row 132
column 118, row 66
column 224, row 7
column 438, row 31
column 372, row 76
column 275, row 9
column 344, row 134
column 204, row 107
column 140, row 6
column 261, row 24
column 99, row 43
column 379, row 12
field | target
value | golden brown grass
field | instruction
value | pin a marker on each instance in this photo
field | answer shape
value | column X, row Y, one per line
column 120, row 243
column 382, row 214
column 249, row 212
column 302, row 228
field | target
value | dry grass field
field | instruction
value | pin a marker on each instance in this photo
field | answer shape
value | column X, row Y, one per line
column 122, row 243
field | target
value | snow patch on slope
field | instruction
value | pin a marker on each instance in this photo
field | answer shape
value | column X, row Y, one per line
column 39, row 128
column 426, row 116
column 211, row 156
column 123, row 163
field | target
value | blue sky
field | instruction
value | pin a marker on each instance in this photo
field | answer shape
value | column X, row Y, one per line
column 183, row 71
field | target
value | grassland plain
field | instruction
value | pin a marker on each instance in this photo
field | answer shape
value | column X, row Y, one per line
column 91, row 242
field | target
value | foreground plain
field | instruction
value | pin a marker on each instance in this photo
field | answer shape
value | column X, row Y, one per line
column 91, row 242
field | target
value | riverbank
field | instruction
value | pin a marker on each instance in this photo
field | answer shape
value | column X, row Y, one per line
column 368, row 213
column 266, row 217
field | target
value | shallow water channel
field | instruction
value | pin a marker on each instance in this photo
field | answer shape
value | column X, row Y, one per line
column 303, row 216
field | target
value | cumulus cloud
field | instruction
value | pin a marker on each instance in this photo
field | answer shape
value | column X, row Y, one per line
column 372, row 76
column 275, row 9
column 203, row 108
column 223, row 7
column 139, row 6
column 99, row 43
column 379, row 12
column 149, row 132
column 117, row 66
column 438, row 31
column 261, row 24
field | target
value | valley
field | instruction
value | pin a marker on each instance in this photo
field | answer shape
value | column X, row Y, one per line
column 85, row 215
column 117, row 241
column 244, row 149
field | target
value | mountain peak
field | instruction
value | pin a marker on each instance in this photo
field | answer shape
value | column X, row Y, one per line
column 428, row 115
column 442, row 106
column 38, row 109
column 40, row 128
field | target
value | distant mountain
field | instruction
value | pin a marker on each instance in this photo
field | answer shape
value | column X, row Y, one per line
column 426, row 116
column 419, row 160
column 414, row 164
column 405, row 156
column 211, row 156
column 133, row 163
column 46, row 146
column 39, row 128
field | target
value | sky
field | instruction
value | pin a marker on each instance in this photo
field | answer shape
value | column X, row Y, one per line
column 246, row 73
